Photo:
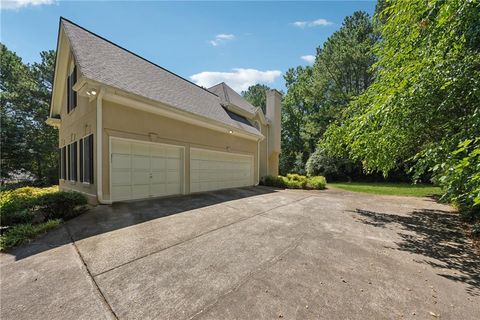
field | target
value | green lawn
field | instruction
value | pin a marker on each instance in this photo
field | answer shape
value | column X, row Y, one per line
column 387, row 188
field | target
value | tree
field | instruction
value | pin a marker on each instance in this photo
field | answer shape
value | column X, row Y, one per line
column 317, row 95
column 422, row 110
column 28, row 144
column 257, row 96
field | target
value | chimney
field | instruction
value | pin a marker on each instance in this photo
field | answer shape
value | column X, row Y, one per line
column 274, row 109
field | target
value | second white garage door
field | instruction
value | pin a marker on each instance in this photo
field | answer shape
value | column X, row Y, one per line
column 142, row 170
column 213, row 170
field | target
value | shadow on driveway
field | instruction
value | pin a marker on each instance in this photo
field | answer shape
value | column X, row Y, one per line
column 434, row 234
column 106, row 218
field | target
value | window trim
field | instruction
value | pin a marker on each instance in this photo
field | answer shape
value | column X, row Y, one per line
column 71, row 94
column 91, row 151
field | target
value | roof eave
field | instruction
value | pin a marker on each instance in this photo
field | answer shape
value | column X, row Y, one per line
column 129, row 99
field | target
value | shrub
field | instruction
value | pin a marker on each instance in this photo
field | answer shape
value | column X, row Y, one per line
column 62, row 204
column 18, row 206
column 23, row 233
column 295, row 181
column 273, row 181
column 317, row 182
column 30, row 205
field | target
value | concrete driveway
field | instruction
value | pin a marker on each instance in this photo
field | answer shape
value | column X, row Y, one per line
column 251, row 253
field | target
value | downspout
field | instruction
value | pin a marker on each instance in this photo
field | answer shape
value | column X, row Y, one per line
column 100, row 149
column 258, row 162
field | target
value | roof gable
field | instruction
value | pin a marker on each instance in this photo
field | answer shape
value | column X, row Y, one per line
column 229, row 96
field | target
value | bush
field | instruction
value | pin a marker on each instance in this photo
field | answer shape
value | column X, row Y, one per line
column 23, row 233
column 317, row 182
column 18, row 206
column 61, row 205
column 295, row 181
column 32, row 205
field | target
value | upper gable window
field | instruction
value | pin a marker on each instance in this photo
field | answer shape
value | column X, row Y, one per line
column 71, row 94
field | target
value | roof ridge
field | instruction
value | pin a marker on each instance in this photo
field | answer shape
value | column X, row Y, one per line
column 227, row 97
column 135, row 54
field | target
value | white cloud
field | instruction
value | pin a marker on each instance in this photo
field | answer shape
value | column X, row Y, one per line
column 220, row 38
column 314, row 23
column 300, row 24
column 308, row 58
column 320, row 22
column 17, row 4
column 239, row 79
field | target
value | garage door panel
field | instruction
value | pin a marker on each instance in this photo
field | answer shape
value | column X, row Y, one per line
column 159, row 177
column 141, row 149
column 140, row 162
column 158, row 164
column 122, row 192
column 121, row 161
column 122, row 178
column 142, row 170
column 141, row 178
column 141, row 191
column 210, row 170
column 173, row 164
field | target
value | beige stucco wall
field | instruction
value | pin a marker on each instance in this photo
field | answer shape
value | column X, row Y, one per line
column 125, row 122
column 75, row 125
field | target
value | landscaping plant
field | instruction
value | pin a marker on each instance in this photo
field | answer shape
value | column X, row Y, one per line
column 28, row 211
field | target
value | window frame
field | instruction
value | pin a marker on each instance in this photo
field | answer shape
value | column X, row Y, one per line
column 87, row 143
column 71, row 94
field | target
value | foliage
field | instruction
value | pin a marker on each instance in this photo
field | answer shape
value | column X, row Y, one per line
column 317, row 94
column 476, row 229
column 61, row 204
column 17, row 206
column 30, row 205
column 29, row 145
column 295, row 181
column 23, row 233
column 257, row 96
column 424, row 103
column 389, row 188
column 316, row 182
column 333, row 168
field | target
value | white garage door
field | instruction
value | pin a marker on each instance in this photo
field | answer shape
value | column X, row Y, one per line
column 212, row 170
column 142, row 170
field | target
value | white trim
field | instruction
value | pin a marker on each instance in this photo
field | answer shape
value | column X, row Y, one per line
column 99, row 133
column 258, row 162
column 182, row 158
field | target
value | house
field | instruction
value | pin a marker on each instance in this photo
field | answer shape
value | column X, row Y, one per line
column 130, row 129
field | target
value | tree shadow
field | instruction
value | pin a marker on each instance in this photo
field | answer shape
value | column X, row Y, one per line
column 437, row 235
column 105, row 218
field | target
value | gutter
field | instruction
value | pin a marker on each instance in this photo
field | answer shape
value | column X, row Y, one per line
column 99, row 134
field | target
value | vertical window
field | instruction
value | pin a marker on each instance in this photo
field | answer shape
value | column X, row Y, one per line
column 62, row 163
column 71, row 94
column 81, row 160
column 72, row 161
column 87, row 160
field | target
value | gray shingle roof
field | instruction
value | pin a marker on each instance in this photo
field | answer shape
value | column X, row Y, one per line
column 228, row 95
column 103, row 61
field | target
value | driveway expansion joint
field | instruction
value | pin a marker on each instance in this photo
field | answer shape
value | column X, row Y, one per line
column 197, row 236
column 91, row 277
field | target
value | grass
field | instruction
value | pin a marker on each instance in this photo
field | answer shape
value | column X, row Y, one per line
column 387, row 188
column 22, row 233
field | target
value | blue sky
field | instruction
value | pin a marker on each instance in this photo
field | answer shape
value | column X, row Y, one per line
column 240, row 43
